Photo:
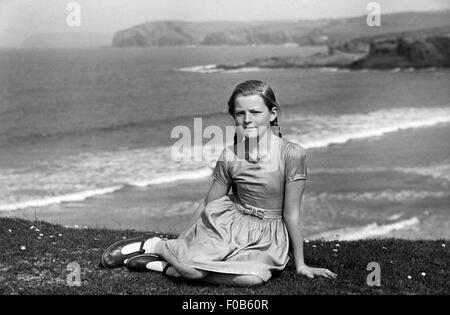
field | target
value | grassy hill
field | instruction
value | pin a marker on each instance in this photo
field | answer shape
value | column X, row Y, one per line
column 35, row 257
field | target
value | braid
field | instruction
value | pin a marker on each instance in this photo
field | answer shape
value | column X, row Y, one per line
column 276, row 128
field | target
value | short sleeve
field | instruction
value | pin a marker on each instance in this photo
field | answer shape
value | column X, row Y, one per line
column 295, row 163
column 220, row 172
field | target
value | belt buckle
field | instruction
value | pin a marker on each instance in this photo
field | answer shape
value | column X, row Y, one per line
column 254, row 211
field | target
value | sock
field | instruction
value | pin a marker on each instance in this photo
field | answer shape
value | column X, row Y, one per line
column 159, row 267
column 131, row 248
column 150, row 245
column 156, row 265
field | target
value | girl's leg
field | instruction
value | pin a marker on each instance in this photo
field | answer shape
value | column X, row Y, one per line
column 158, row 247
column 233, row 280
column 183, row 270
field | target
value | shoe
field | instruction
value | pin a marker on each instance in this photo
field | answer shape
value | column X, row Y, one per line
column 139, row 263
column 113, row 257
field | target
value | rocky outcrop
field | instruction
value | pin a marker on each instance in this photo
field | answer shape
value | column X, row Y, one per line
column 406, row 53
column 335, row 60
column 382, row 53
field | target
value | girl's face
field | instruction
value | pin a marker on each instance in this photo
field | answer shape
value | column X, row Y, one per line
column 252, row 115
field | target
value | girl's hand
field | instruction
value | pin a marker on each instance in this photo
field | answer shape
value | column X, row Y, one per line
column 310, row 272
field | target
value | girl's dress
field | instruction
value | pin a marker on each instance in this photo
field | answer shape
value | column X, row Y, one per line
column 244, row 234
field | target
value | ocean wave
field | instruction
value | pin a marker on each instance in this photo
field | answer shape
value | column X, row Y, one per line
column 212, row 68
column 437, row 171
column 334, row 70
column 46, row 201
column 83, row 195
column 188, row 175
column 441, row 171
column 384, row 195
column 313, row 131
column 372, row 230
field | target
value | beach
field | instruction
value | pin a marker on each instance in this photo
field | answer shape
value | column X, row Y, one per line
column 86, row 138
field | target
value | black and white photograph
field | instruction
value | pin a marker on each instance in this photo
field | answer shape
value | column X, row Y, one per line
column 250, row 150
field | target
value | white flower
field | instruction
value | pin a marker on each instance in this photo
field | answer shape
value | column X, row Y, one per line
column 39, row 237
column 314, row 246
column 85, row 227
column 337, row 245
column 22, row 247
column 443, row 245
column 31, row 227
column 51, row 236
column 306, row 241
column 76, row 226
column 40, row 234
column 59, row 234
column 37, row 230
column 66, row 226
column 409, row 277
column 335, row 250
column 423, row 274
column 9, row 231
column 124, row 237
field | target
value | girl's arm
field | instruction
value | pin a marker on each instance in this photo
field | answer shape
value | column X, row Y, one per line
column 216, row 191
column 292, row 217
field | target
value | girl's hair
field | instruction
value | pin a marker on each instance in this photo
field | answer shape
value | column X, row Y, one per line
column 255, row 87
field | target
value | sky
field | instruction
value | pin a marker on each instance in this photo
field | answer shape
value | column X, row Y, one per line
column 21, row 18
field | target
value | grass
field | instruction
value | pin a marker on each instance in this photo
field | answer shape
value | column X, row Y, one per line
column 29, row 265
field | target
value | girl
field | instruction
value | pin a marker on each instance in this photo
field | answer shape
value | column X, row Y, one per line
column 237, row 239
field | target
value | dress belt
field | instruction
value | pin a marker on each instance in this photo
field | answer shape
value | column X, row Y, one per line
column 259, row 212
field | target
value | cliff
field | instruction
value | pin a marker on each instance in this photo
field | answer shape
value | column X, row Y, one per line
column 154, row 34
column 301, row 32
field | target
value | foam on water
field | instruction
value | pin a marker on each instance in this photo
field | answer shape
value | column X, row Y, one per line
column 189, row 175
column 441, row 171
column 212, row 68
column 314, row 131
column 372, row 230
column 386, row 195
column 42, row 202
column 89, row 174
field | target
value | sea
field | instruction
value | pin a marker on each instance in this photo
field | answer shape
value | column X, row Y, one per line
column 87, row 138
